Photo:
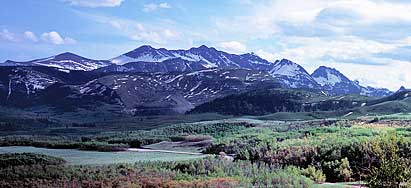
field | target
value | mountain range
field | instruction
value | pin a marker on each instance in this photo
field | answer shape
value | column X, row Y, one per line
column 156, row 81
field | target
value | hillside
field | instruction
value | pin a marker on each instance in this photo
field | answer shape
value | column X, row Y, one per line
column 261, row 102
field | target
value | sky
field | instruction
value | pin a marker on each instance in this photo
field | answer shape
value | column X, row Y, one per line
column 367, row 40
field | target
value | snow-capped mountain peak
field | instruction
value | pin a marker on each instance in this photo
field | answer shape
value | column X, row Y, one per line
column 202, row 56
column 144, row 53
column 327, row 76
column 293, row 75
column 286, row 67
column 336, row 83
column 64, row 61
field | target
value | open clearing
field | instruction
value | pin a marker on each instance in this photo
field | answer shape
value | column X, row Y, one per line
column 78, row 157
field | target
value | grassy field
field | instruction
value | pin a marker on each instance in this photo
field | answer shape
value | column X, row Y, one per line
column 77, row 157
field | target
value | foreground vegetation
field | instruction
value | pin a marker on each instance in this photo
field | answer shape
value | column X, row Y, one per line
column 375, row 150
column 209, row 172
column 8, row 160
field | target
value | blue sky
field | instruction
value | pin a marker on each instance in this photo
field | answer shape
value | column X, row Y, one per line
column 368, row 40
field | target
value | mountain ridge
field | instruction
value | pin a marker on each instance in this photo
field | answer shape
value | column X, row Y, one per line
column 151, row 60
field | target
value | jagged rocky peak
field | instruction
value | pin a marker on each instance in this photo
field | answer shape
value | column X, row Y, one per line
column 329, row 76
column 203, row 47
column 285, row 62
column 402, row 88
column 288, row 68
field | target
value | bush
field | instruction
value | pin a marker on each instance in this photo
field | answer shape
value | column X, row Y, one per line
column 392, row 169
column 17, row 159
column 314, row 174
column 197, row 138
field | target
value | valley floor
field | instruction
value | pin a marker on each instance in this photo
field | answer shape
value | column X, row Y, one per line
column 251, row 151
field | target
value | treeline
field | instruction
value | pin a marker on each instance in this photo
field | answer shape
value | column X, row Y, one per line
column 120, row 141
column 85, row 144
column 22, row 159
column 180, row 132
column 263, row 102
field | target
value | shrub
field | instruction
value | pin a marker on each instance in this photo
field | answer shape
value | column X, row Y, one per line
column 197, row 138
column 314, row 174
column 392, row 169
column 17, row 159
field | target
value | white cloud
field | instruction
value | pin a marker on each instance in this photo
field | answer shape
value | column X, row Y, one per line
column 96, row 3
column 30, row 36
column 233, row 46
column 170, row 34
column 55, row 38
column 164, row 5
column 153, row 6
column 266, row 55
column 343, row 48
column 6, row 35
column 266, row 18
column 161, row 32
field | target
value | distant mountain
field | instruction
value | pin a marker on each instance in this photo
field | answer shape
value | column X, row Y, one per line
column 375, row 92
column 168, row 65
column 20, row 85
column 64, row 61
column 334, row 82
column 147, row 59
column 136, row 93
column 203, row 57
column 205, row 85
column 292, row 75
column 402, row 88
column 159, row 93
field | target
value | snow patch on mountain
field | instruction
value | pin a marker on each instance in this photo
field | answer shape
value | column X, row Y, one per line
column 329, row 77
column 286, row 70
column 64, row 61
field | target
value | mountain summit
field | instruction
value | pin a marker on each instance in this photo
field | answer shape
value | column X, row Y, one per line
column 65, row 61
column 147, row 59
column 292, row 75
column 334, row 82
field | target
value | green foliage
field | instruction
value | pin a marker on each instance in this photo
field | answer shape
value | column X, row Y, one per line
column 341, row 151
column 17, row 159
column 61, row 143
column 314, row 174
column 338, row 170
column 267, row 153
column 210, row 172
column 392, row 169
column 344, row 170
column 180, row 132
